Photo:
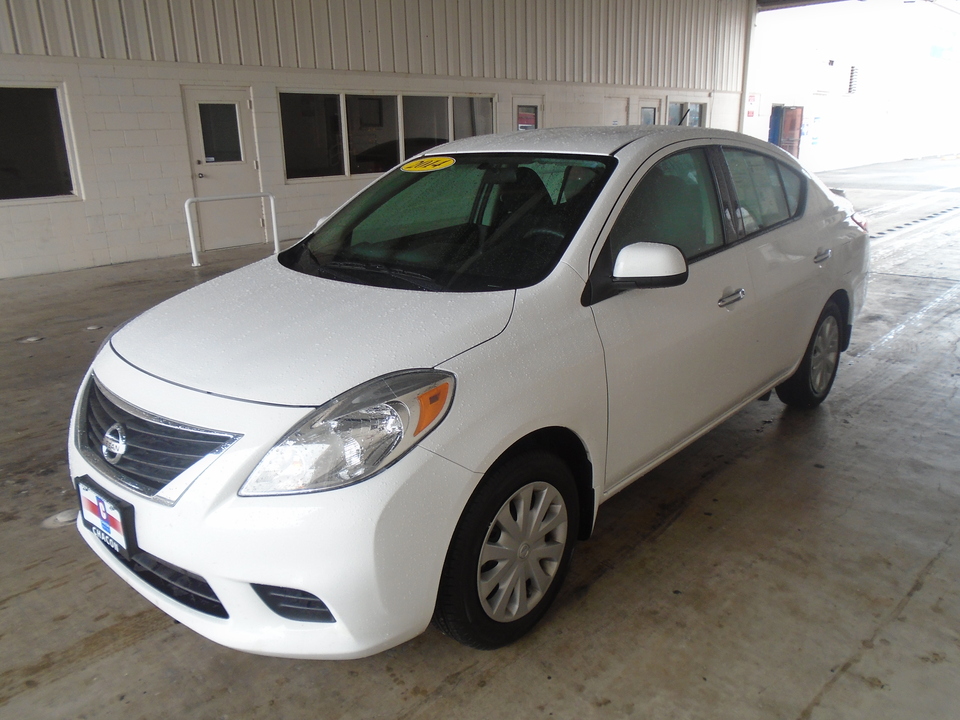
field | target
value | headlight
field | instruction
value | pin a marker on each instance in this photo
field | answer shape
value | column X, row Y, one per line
column 355, row 435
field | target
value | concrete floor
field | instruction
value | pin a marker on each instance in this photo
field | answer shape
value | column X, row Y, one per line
column 787, row 565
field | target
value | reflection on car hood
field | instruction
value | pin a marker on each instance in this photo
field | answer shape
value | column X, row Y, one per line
column 268, row 334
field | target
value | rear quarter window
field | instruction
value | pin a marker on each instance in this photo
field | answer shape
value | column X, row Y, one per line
column 793, row 187
column 768, row 192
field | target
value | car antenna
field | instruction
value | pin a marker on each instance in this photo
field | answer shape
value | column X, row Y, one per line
column 684, row 117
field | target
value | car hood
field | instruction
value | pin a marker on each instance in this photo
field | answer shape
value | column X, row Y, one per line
column 272, row 335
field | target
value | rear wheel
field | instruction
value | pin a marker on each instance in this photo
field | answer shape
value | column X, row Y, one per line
column 811, row 383
column 510, row 552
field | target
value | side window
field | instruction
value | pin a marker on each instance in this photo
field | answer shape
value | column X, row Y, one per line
column 676, row 204
column 33, row 153
column 767, row 192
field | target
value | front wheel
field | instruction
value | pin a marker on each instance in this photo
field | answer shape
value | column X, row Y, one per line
column 509, row 553
column 811, row 383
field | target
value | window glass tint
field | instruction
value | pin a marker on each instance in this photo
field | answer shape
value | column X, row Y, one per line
column 372, row 133
column 312, row 136
column 424, row 123
column 33, row 154
column 760, row 193
column 793, row 186
column 675, row 204
column 221, row 132
column 486, row 222
column 472, row 116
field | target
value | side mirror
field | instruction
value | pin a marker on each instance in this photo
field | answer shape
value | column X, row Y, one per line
column 650, row 265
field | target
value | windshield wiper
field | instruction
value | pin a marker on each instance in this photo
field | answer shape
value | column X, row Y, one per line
column 418, row 280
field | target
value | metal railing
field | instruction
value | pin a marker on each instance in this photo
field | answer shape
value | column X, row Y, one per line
column 191, row 224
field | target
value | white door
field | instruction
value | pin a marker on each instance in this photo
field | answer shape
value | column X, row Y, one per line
column 677, row 358
column 223, row 160
column 615, row 111
column 649, row 113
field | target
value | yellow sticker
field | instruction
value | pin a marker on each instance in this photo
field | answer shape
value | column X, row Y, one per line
column 428, row 164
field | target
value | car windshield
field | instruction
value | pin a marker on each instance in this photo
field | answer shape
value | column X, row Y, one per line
column 464, row 223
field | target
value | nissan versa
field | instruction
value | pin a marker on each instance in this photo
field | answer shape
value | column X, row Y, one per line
column 414, row 413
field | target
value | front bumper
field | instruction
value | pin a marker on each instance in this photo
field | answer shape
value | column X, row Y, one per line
column 372, row 552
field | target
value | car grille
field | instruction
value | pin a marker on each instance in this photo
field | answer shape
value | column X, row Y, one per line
column 294, row 604
column 157, row 450
column 181, row 585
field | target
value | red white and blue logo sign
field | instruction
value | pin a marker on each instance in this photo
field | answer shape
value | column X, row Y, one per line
column 102, row 515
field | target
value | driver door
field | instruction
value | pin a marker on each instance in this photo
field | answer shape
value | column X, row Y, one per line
column 676, row 358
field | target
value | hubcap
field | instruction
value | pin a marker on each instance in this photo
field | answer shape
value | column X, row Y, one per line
column 521, row 553
column 825, row 355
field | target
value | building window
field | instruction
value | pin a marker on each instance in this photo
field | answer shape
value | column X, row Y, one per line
column 372, row 133
column 690, row 114
column 425, row 123
column 312, row 135
column 695, row 113
column 472, row 116
column 33, row 152
column 648, row 116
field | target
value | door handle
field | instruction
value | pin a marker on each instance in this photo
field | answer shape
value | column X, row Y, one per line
column 822, row 256
column 735, row 296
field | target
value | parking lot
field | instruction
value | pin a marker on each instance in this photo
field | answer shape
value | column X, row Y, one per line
column 786, row 565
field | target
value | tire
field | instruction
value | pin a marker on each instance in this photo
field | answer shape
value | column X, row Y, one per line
column 811, row 383
column 501, row 576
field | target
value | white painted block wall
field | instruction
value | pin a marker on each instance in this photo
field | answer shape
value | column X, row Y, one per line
column 127, row 142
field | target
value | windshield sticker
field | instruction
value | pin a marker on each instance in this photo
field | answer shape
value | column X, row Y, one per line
column 428, row 164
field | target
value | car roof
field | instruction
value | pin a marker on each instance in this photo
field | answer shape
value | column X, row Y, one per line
column 586, row 140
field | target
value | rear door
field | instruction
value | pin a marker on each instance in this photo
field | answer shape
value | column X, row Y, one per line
column 789, row 258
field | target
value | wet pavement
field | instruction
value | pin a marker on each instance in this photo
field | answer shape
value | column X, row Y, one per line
column 786, row 565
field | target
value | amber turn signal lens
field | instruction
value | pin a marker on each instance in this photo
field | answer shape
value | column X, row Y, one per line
column 432, row 403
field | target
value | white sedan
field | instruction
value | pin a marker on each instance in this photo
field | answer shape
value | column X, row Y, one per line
column 415, row 412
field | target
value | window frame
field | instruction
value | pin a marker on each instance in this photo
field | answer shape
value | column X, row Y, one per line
column 76, row 193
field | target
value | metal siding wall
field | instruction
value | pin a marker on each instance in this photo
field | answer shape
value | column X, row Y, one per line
column 684, row 44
